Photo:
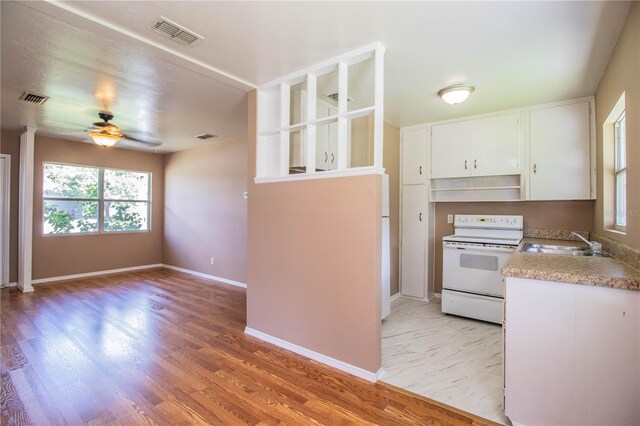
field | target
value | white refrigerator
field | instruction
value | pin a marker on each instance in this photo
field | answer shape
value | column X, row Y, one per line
column 386, row 250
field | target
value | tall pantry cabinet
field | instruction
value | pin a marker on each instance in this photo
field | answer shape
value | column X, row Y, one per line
column 417, row 216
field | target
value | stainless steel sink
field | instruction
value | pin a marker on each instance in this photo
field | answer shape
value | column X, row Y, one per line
column 562, row 250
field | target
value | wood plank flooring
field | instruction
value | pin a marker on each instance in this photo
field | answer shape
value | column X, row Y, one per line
column 163, row 347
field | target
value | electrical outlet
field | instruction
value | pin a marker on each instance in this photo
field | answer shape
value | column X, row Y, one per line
column 245, row 195
column 212, row 261
column 449, row 218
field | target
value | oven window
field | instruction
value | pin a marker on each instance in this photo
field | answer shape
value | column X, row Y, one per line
column 477, row 261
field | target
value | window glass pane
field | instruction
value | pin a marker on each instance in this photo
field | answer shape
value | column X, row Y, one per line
column 621, row 145
column 126, row 185
column 621, row 198
column 64, row 181
column 126, row 216
column 69, row 217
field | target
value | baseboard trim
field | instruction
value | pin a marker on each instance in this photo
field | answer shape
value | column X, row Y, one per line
column 316, row 356
column 207, row 276
column 395, row 296
column 93, row 274
column 437, row 295
column 15, row 284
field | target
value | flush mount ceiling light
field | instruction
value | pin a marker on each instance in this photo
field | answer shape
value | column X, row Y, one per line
column 456, row 94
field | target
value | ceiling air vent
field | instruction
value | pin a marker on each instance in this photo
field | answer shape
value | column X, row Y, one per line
column 205, row 136
column 334, row 97
column 176, row 32
column 34, row 98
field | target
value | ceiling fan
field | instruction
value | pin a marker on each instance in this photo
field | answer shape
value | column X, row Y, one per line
column 108, row 134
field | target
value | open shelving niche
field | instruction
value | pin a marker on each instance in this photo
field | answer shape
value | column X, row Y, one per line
column 288, row 120
column 487, row 188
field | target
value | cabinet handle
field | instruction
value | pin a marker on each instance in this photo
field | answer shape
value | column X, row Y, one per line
column 475, row 164
column 332, row 158
column 535, row 168
column 326, row 157
column 420, row 170
column 420, row 217
column 465, row 164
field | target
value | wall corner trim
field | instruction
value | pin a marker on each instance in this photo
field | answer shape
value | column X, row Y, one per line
column 96, row 273
column 207, row 276
column 395, row 296
column 316, row 356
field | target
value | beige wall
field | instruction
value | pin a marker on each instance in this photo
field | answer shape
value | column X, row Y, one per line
column 313, row 252
column 559, row 215
column 392, row 168
column 65, row 255
column 622, row 75
column 205, row 212
column 10, row 144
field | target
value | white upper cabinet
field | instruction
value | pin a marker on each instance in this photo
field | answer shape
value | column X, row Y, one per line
column 481, row 147
column 414, row 156
column 560, row 152
column 495, row 146
column 450, row 150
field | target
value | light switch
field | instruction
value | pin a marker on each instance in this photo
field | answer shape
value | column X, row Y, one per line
column 245, row 195
column 449, row 218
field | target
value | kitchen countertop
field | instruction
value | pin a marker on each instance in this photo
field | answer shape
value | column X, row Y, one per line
column 596, row 271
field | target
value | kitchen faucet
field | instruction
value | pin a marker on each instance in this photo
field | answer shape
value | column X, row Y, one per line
column 593, row 245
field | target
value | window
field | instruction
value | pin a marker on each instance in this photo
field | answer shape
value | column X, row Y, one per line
column 620, row 191
column 85, row 200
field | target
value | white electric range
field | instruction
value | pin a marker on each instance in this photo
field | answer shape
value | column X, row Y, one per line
column 472, row 284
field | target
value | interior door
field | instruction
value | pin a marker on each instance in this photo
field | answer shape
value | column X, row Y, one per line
column 413, row 238
column 451, row 150
column 4, row 219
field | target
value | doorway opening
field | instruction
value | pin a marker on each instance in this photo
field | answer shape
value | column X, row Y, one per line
column 5, row 189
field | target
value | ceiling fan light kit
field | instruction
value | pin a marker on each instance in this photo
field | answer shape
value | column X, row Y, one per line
column 104, row 139
column 456, row 94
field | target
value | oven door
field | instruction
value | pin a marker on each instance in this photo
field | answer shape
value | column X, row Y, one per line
column 474, row 268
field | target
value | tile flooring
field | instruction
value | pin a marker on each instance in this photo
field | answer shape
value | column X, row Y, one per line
column 454, row 360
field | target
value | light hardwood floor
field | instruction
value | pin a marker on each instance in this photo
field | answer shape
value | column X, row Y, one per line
column 163, row 347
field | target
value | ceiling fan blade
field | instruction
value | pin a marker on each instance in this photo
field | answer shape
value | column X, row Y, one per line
column 132, row 139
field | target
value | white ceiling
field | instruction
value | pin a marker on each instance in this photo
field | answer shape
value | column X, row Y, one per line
column 515, row 53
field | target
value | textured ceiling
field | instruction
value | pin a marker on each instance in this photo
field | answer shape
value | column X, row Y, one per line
column 515, row 53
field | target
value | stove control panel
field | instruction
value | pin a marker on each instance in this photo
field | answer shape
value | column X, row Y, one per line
column 488, row 221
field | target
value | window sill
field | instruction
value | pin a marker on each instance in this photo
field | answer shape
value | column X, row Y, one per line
column 356, row 171
column 93, row 234
column 616, row 231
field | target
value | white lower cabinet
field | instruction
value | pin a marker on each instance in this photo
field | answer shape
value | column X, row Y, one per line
column 413, row 240
column 572, row 354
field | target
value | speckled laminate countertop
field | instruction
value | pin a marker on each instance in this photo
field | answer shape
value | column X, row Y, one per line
column 597, row 271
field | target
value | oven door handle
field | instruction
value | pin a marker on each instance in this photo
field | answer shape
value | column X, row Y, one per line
column 481, row 249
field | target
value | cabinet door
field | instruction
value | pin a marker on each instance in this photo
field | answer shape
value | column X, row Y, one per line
column 414, row 233
column 326, row 138
column 495, row 146
column 414, row 156
column 560, row 165
column 451, row 150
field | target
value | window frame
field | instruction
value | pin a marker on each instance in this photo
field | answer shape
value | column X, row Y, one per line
column 100, row 200
column 619, row 169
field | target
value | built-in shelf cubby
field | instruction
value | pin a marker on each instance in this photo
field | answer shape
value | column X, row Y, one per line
column 324, row 121
column 486, row 188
